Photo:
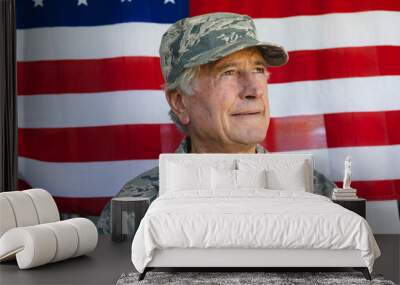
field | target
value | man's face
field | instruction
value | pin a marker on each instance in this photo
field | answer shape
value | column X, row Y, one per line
column 230, row 104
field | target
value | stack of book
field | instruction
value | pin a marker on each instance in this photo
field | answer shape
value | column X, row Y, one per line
column 343, row 194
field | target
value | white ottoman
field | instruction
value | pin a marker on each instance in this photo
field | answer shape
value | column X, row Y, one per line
column 31, row 230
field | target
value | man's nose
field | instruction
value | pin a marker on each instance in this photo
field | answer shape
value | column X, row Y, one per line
column 250, row 86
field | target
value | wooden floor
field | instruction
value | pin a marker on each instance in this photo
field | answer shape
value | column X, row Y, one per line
column 389, row 262
column 110, row 260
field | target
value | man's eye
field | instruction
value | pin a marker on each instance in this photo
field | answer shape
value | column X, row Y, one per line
column 229, row 72
column 260, row 69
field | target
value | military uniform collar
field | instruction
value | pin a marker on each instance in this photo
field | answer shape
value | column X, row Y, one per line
column 184, row 147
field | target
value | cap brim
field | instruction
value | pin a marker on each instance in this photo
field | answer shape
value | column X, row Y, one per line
column 275, row 55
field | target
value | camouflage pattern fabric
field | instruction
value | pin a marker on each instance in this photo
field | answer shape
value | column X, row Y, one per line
column 202, row 39
column 147, row 185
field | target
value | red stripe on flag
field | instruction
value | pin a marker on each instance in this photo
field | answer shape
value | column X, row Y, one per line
column 84, row 206
column 105, row 143
column 338, row 63
column 288, row 8
column 363, row 128
column 22, row 185
column 89, row 75
column 333, row 130
column 143, row 73
column 376, row 189
column 127, row 142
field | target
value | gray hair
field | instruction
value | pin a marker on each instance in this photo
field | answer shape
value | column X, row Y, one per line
column 185, row 84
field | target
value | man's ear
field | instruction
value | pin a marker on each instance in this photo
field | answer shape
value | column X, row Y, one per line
column 179, row 105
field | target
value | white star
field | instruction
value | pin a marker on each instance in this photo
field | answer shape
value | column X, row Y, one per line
column 126, row 0
column 38, row 3
column 169, row 1
column 82, row 2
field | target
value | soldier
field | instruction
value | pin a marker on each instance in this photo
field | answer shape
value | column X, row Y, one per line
column 216, row 76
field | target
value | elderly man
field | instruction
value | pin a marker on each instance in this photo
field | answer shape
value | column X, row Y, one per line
column 216, row 78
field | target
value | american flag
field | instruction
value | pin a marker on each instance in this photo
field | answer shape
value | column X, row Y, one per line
column 92, row 113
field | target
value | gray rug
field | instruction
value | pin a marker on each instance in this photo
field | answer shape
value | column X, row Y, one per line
column 273, row 278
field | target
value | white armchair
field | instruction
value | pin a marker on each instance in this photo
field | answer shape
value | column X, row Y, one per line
column 31, row 230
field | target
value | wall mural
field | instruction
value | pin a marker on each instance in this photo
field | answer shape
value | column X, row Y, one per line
column 92, row 113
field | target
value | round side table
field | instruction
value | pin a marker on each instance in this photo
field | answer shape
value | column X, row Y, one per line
column 122, row 208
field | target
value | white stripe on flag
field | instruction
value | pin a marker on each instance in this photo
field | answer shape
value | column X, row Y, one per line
column 91, row 179
column 373, row 28
column 100, row 109
column 357, row 94
column 143, row 39
column 151, row 107
column 383, row 217
column 369, row 163
column 127, row 39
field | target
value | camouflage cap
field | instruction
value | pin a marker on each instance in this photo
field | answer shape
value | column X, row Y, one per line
column 202, row 39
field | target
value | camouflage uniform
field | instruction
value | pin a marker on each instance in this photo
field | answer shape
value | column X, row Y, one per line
column 193, row 42
column 147, row 185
